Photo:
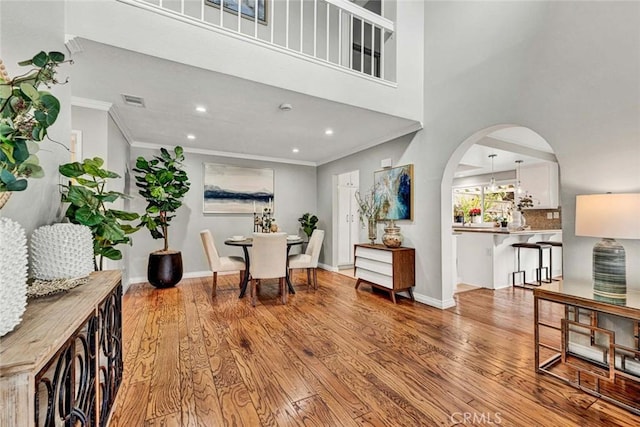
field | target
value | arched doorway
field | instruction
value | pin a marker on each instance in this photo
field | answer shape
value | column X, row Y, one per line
column 511, row 142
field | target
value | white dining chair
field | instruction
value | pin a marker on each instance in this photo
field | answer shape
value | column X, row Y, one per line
column 219, row 264
column 269, row 261
column 309, row 259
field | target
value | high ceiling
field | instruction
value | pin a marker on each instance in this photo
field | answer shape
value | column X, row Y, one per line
column 243, row 118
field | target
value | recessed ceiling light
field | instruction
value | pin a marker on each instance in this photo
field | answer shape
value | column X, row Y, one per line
column 295, row 150
column 328, row 132
column 286, row 107
column 201, row 109
column 191, row 136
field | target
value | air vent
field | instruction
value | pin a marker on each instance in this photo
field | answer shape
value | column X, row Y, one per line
column 135, row 101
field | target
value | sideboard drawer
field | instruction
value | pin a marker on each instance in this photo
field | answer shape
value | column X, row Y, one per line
column 376, row 266
column 375, row 254
column 373, row 277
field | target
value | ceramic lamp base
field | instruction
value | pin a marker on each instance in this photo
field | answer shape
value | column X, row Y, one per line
column 609, row 268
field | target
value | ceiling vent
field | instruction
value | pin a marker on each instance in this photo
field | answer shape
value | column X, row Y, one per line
column 134, row 101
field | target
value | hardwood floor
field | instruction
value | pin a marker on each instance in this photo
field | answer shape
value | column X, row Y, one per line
column 337, row 357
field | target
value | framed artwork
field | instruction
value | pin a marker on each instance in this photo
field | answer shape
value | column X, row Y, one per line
column 394, row 191
column 235, row 189
column 247, row 8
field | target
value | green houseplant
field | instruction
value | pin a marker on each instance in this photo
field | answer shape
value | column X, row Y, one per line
column 308, row 222
column 163, row 183
column 26, row 112
column 88, row 197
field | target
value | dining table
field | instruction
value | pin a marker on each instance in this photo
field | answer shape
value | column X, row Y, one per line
column 245, row 244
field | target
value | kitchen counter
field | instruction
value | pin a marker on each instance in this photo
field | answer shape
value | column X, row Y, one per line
column 486, row 258
column 500, row 230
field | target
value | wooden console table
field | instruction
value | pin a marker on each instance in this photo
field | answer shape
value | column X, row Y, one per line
column 589, row 341
column 390, row 269
column 62, row 365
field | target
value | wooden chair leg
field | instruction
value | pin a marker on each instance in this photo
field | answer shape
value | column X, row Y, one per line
column 315, row 279
column 215, row 284
column 254, row 293
column 308, row 278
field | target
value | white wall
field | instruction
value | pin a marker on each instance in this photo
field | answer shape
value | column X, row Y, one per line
column 93, row 124
column 568, row 70
column 294, row 194
column 40, row 203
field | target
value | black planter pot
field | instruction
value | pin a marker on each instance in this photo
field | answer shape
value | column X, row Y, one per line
column 164, row 269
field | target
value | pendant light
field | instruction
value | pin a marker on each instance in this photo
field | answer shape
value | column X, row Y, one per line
column 492, row 184
column 518, row 184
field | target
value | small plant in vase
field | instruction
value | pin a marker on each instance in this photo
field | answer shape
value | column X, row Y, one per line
column 163, row 183
column 369, row 212
column 476, row 215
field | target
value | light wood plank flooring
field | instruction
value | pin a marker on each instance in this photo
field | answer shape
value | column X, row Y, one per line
column 337, row 357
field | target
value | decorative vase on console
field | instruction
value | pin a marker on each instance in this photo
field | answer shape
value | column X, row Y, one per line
column 392, row 238
column 372, row 234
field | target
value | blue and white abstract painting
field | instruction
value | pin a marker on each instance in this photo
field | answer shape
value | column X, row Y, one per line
column 235, row 189
column 394, row 192
column 248, row 8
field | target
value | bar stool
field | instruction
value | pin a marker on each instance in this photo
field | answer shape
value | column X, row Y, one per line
column 540, row 247
column 553, row 244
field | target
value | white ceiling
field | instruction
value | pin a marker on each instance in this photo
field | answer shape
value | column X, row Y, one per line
column 508, row 144
column 242, row 116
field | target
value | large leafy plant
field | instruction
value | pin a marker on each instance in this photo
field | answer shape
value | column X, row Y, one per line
column 26, row 112
column 163, row 183
column 88, row 199
column 309, row 223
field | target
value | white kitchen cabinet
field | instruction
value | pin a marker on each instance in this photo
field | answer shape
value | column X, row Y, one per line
column 542, row 183
column 348, row 220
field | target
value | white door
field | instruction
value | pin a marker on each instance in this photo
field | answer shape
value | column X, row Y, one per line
column 348, row 223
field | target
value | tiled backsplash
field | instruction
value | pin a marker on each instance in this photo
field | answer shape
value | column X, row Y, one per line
column 537, row 219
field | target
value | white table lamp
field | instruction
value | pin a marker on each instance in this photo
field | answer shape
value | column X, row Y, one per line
column 610, row 216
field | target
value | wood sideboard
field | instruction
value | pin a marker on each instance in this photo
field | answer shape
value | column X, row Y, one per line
column 390, row 269
column 62, row 365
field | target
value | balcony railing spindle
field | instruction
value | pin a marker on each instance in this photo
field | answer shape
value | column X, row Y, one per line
column 349, row 16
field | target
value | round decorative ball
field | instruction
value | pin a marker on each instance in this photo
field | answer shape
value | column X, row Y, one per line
column 13, row 279
column 61, row 251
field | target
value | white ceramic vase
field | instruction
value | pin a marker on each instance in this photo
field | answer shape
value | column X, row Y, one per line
column 61, row 251
column 13, row 277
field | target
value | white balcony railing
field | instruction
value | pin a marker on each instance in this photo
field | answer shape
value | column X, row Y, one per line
column 338, row 33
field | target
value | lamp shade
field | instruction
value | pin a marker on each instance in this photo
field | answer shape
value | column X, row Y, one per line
column 613, row 216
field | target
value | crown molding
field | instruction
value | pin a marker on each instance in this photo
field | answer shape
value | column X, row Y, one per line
column 413, row 127
column 120, row 124
column 205, row 151
column 77, row 101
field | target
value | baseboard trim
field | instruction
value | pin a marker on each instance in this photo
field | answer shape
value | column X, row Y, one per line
column 328, row 267
column 441, row 304
column 189, row 275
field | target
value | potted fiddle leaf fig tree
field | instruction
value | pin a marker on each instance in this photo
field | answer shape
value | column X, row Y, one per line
column 26, row 112
column 88, row 200
column 308, row 222
column 163, row 183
